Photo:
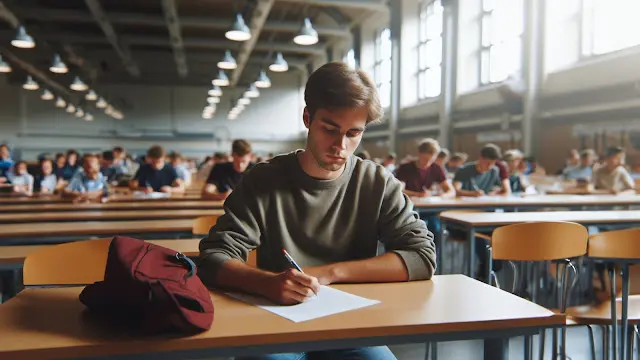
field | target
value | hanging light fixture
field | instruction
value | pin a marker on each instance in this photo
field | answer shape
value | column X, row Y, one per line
column 58, row 66
column 109, row 110
column 252, row 92
column 307, row 34
column 70, row 109
column 79, row 113
column 101, row 104
column 215, row 91
column 23, row 40
column 88, row 117
column 117, row 115
column 228, row 62
column 240, row 107
column 4, row 66
column 209, row 109
column 280, row 64
column 30, row 84
column 213, row 100
column 239, row 30
column 91, row 95
column 60, row 103
column 221, row 80
column 244, row 101
column 263, row 80
column 78, row 85
column 46, row 95
column 207, row 115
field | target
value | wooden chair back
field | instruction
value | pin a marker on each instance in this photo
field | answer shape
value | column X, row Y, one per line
column 618, row 244
column 75, row 263
column 203, row 224
column 539, row 241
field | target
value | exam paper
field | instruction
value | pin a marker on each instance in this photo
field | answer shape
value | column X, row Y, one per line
column 328, row 302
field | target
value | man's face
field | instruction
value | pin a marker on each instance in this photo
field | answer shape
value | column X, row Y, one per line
column 484, row 164
column 21, row 169
column 426, row 158
column 240, row 162
column 586, row 161
column 334, row 135
column 61, row 161
column 91, row 167
column 158, row 163
column 514, row 165
column 456, row 163
column 47, row 168
column 72, row 158
column 4, row 152
column 615, row 160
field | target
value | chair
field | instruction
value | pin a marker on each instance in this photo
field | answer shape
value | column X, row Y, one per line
column 75, row 263
column 541, row 242
column 203, row 224
column 621, row 247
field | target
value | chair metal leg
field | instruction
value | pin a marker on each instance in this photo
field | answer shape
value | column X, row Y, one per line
column 592, row 342
column 614, row 316
column 605, row 342
column 541, row 345
column 427, row 350
column 528, row 349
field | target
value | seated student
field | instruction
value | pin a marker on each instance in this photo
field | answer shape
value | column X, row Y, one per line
column 46, row 181
column 390, row 162
column 514, row 159
column 71, row 166
column 21, row 179
column 482, row 177
column 456, row 161
column 612, row 175
column 224, row 177
column 109, row 168
column 177, row 161
column 326, row 207
column 6, row 163
column 443, row 157
column 60, row 161
column 156, row 175
column 421, row 176
column 88, row 183
column 584, row 169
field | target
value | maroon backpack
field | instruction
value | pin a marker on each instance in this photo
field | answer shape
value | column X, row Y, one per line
column 150, row 288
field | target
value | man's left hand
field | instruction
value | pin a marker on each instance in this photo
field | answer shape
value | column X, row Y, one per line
column 324, row 274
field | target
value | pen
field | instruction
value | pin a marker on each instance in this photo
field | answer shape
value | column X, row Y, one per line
column 291, row 261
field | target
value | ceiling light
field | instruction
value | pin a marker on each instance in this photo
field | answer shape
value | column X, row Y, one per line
column 221, row 80
column 213, row 100
column 235, row 111
column 78, row 85
column 209, row 109
column 239, row 30
column 60, row 103
column 91, row 96
column 252, row 92
column 215, row 91
column 23, row 40
column 240, row 107
column 88, row 117
column 57, row 66
column 109, row 110
column 4, row 66
column 263, row 80
column 307, row 34
column 79, row 113
column 280, row 64
column 117, row 115
column 30, row 84
column 244, row 101
column 101, row 104
column 207, row 115
column 232, row 116
column 46, row 95
column 70, row 109
column 227, row 62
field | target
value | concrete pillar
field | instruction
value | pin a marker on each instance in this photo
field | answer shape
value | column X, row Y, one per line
column 396, row 74
column 449, row 70
column 533, row 73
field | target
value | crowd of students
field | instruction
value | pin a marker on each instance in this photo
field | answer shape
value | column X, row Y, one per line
column 607, row 173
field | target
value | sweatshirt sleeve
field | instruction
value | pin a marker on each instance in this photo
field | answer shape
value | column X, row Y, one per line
column 236, row 233
column 403, row 232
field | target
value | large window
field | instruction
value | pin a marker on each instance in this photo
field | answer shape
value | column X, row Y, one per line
column 609, row 25
column 501, row 39
column 382, row 66
column 430, row 48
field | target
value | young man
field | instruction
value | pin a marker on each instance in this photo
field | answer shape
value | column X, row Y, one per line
column 325, row 206
column 156, row 175
column 517, row 181
column 109, row 168
column 88, row 184
column 390, row 163
column 421, row 175
column 584, row 169
column 456, row 161
column 226, row 176
column 46, row 182
column 612, row 176
column 443, row 158
column 21, row 179
column 71, row 166
column 177, row 161
column 482, row 177
column 6, row 163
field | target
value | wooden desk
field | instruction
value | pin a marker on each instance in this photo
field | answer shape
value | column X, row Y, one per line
column 49, row 324
column 57, row 199
column 24, row 234
column 138, row 206
column 13, row 218
column 481, row 222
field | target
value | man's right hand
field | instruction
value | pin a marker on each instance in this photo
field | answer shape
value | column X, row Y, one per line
column 291, row 287
column 148, row 190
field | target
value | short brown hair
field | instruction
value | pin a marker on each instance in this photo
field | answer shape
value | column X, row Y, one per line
column 459, row 156
column 241, row 147
column 335, row 85
column 491, row 152
column 155, row 152
column 587, row 153
column 175, row 156
column 613, row 151
column 429, row 146
column 443, row 154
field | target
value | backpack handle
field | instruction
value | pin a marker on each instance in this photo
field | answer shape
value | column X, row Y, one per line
column 188, row 262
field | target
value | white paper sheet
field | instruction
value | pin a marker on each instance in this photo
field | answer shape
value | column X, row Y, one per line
column 328, row 302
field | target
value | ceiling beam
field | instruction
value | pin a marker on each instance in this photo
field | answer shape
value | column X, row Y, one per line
column 8, row 16
column 123, row 51
column 175, row 35
column 373, row 5
column 258, row 18
column 202, row 22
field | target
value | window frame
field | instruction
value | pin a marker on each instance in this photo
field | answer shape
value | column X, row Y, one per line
column 379, row 60
column 428, row 7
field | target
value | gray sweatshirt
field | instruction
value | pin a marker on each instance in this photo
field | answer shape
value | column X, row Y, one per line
column 277, row 205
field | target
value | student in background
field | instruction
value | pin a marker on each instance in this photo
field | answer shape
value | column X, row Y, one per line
column 584, row 169
column 482, row 177
column 46, row 181
column 88, row 184
column 177, row 161
column 109, row 168
column 71, row 166
column 224, row 177
column 6, row 163
column 443, row 158
column 156, row 175
column 390, row 162
column 422, row 176
column 21, row 179
column 326, row 207
column 61, row 160
column 517, row 180
column 612, row 175
column 456, row 161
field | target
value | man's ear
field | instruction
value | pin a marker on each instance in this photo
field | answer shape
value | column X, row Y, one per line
column 306, row 117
